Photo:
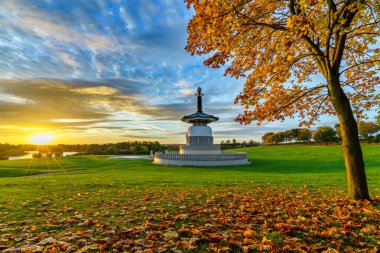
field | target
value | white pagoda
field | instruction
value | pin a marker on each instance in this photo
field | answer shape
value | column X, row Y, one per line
column 200, row 149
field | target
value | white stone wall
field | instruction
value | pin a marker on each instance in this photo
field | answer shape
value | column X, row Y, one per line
column 209, row 160
column 161, row 161
column 196, row 150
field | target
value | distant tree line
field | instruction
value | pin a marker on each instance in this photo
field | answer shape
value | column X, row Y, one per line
column 131, row 147
column 292, row 135
column 324, row 134
column 227, row 144
column 7, row 150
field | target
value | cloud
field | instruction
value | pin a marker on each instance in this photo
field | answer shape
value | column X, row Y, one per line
column 104, row 111
column 130, row 23
column 97, row 90
column 79, row 103
column 50, row 100
column 67, row 59
column 6, row 97
column 182, row 84
column 23, row 16
column 95, row 40
column 82, row 108
column 185, row 88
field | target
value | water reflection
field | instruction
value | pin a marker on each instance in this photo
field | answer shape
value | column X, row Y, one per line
column 30, row 155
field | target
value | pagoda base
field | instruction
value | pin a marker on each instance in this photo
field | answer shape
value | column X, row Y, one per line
column 199, row 150
column 198, row 160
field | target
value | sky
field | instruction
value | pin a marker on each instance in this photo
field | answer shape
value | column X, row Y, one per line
column 89, row 71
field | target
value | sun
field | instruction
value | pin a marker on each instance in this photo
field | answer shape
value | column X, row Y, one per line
column 41, row 138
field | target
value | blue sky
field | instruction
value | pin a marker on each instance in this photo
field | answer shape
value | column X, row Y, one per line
column 105, row 71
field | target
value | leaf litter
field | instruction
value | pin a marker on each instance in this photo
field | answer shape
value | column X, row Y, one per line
column 263, row 219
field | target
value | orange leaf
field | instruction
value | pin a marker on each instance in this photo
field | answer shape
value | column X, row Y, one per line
column 79, row 232
column 195, row 231
column 102, row 246
column 249, row 233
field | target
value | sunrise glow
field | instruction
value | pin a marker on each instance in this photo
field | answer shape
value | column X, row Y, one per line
column 41, row 139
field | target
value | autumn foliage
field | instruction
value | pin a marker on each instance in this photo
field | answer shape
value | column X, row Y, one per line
column 367, row 129
column 280, row 52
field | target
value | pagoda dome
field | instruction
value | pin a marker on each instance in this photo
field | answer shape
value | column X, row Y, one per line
column 199, row 131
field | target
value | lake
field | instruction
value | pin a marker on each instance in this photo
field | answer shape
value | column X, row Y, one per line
column 132, row 157
column 30, row 154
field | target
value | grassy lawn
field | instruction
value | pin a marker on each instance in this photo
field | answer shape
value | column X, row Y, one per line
column 289, row 197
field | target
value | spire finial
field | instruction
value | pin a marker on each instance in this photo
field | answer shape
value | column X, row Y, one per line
column 199, row 92
column 199, row 95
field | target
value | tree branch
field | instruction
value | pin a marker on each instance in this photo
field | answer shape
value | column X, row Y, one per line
column 363, row 33
column 310, row 44
column 357, row 65
column 373, row 15
column 255, row 23
column 361, row 26
column 318, row 55
column 315, row 115
column 307, row 91
column 282, row 71
column 348, row 16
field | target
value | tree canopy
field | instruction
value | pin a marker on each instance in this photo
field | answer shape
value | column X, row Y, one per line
column 281, row 46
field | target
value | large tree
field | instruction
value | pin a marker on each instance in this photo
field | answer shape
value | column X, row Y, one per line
column 298, row 57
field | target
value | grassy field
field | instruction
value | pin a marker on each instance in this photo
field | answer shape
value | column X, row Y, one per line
column 91, row 201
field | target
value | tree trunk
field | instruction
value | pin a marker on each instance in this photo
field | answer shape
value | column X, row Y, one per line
column 353, row 157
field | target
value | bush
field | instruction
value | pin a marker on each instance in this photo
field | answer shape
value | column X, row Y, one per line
column 37, row 155
column 325, row 134
column 111, row 150
column 58, row 154
column 140, row 149
column 377, row 138
column 278, row 137
column 304, row 135
column 4, row 157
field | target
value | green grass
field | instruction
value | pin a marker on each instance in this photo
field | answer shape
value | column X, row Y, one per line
column 296, row 165
column 91, row 184
column 313, row 167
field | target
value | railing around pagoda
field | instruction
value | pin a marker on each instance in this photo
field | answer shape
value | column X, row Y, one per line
column 210, row 157
column 195, row 147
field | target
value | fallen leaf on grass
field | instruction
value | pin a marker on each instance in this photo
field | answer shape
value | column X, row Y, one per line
column 171, row 234
column 79, row 232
